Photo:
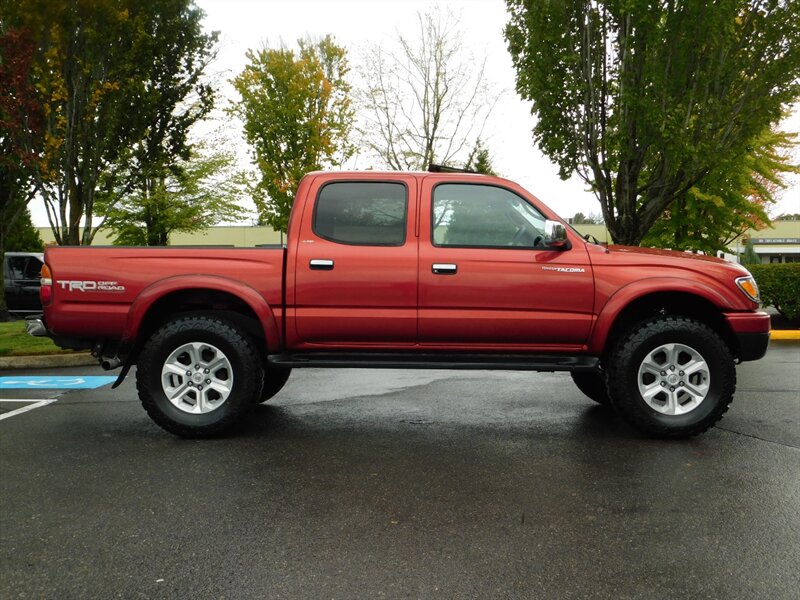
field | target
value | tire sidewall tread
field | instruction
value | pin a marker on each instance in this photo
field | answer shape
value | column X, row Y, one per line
column 623, row 368
column 245, row 363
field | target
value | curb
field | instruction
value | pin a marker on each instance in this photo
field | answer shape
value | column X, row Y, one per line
column 785, row 334
column 44, row 361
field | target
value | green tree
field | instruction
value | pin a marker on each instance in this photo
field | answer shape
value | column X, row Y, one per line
column 24, row 237
column 297, row 116
column 119, row 81
column 645, row 99
column 590, row 219
column 729, row 201
column 193, row 195
column 480, row 160
column 749, row 257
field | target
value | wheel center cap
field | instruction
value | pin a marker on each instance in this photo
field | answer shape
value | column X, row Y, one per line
column 673, row 379
column 197, row 377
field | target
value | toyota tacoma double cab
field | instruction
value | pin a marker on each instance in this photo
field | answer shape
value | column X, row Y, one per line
column 441, row 270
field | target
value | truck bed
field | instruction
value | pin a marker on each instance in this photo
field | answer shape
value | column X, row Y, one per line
column 96, row 288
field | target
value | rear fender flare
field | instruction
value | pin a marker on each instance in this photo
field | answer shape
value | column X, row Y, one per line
column 257, row 303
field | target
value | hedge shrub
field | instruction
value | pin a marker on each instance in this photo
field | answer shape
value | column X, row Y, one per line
column 779, row 284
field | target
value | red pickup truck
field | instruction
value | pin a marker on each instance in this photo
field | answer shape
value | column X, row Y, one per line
column 410, row 270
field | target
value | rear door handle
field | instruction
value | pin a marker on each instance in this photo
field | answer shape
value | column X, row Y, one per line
column 444, row 268
column 321, row 264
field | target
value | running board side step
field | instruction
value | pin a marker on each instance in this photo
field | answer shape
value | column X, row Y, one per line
column 417, row 360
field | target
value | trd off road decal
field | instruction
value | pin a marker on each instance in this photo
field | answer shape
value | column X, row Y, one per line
column 90, row 286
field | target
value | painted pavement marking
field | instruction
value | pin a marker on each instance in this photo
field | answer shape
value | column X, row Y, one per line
column 27, row 382
column 24, row 409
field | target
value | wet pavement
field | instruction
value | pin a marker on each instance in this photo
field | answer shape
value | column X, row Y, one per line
column 403, row 484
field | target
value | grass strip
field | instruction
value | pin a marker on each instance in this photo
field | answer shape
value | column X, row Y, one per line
column 15, row 341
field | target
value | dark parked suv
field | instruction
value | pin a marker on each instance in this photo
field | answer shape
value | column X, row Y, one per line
column 22, row 277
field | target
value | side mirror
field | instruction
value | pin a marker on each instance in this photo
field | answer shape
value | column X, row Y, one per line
column 555, row 235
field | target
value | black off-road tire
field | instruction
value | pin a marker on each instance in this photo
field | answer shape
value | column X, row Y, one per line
column 592, row 384
column 630, row 352
column 274, row 380
column 245, row 365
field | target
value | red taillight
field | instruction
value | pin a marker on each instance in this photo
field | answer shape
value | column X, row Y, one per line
column 46, row 288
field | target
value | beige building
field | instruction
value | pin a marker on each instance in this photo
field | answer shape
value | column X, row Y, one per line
column 781, row 243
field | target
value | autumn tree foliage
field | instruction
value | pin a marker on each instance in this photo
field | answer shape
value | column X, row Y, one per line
column 21, row 135
column 729, row 201
column 120, row 85
column 650, row 101
column 297, row 115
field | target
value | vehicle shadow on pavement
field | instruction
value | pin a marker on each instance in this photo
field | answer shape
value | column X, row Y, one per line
column 598, row 423
column 602, row 422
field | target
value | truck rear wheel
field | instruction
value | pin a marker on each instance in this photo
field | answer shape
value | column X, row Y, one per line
column 198, row 376
column 672, row 377
column 274, row 380
column 592, row 384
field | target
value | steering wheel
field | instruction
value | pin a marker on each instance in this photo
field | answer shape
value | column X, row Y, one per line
column 522, row 236
column 519, row 235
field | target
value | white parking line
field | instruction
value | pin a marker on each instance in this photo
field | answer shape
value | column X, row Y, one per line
column 19, row 411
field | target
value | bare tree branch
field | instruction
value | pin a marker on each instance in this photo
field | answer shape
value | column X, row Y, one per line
column 424, row 102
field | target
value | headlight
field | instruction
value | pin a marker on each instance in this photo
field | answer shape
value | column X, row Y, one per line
column 749, row 286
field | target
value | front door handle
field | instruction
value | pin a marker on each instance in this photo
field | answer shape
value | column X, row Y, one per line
column 321, row 264
column 444, row 268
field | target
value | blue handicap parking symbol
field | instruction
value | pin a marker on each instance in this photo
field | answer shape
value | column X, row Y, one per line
column 43, row 382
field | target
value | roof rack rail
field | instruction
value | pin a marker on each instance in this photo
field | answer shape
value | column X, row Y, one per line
column 434, row 168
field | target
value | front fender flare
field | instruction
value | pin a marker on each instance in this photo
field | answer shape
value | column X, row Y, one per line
column 645, row 287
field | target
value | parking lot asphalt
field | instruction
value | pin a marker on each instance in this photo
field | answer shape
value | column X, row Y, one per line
column 403, row 484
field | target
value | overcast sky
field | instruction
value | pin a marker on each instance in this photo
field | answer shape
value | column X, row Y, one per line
column 245, row 24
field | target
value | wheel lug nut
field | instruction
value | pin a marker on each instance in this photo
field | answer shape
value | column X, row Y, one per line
column 191, row 384
column 663, row 372
column 206, row 371
column 671, row 388
column 197, row 366
column 680, row 384
column 199, row 387
column 672, row 367
column 208, row 381
column 188, row 372
column 663, row 384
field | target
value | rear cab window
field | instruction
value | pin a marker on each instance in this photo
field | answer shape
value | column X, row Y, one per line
column 362, row 213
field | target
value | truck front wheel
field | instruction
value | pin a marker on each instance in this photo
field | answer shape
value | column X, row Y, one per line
column 672, row 377
column 198, row 376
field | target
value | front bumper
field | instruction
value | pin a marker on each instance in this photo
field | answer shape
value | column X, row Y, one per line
column 751, row 331
column 752, row 346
